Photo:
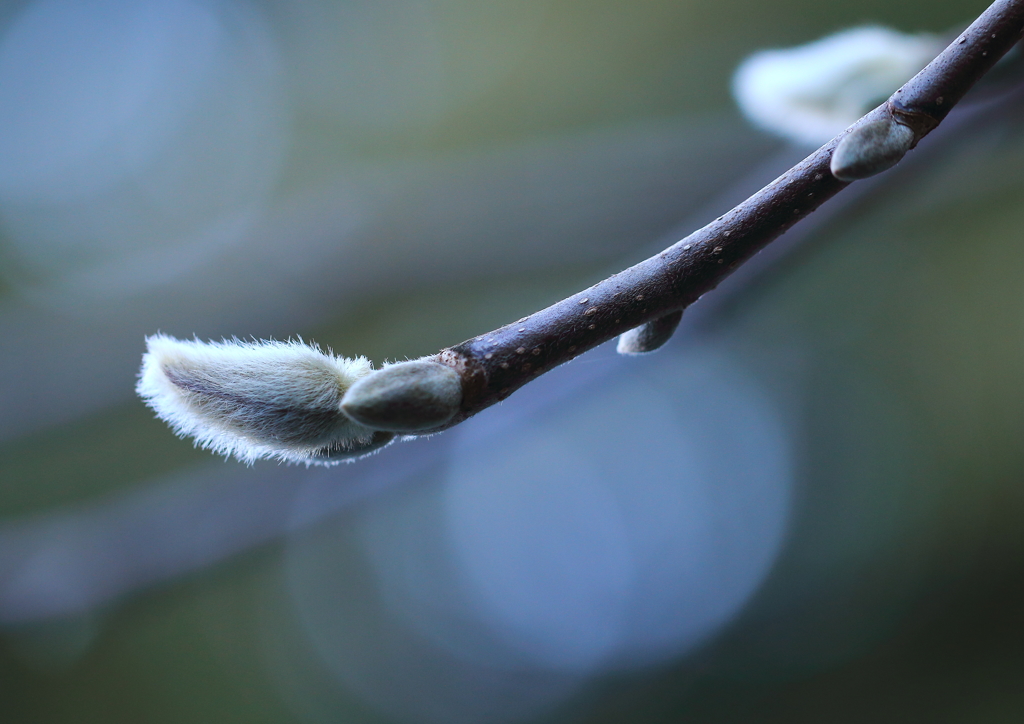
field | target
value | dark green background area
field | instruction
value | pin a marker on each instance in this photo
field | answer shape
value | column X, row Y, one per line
column 906, row 312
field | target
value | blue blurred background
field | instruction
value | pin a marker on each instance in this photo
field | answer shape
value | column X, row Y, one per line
column 808, row 507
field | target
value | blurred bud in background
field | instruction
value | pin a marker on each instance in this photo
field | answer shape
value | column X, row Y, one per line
column 812, row 92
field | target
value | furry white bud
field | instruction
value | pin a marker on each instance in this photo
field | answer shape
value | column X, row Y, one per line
column 405, row 397
column 812, row 92
column 257, row 399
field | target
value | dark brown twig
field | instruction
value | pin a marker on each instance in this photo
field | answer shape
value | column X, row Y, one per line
column 493, row 365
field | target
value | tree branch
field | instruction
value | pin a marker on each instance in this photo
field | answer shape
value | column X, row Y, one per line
column 294, row 402
column 493, row 365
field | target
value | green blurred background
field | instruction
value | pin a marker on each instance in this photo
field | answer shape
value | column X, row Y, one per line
column 391, row 178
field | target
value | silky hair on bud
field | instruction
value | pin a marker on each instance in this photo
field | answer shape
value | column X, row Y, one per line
column 255, row 400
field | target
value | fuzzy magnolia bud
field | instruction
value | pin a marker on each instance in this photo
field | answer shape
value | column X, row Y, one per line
column 405, row 397
column 812, row 92
column 257, row 399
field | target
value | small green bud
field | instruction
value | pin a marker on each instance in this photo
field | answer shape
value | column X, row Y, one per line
column 405, row 397
column 870, row 149
column 649, row 337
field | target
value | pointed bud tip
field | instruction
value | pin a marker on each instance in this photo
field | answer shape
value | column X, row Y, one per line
column 870, row 149
column 405, row 397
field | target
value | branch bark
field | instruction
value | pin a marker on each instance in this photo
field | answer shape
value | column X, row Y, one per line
column 494, row 365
